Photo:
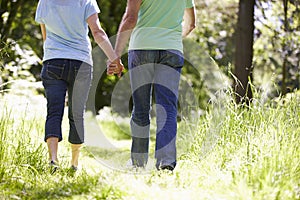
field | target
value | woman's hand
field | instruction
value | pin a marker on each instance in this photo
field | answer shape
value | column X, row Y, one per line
column 115, row 67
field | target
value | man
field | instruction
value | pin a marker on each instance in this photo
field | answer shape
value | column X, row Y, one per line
column 155, row 59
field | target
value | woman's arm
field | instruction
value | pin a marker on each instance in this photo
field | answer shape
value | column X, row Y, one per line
column 101, row 37
column 104, row 43
column 43, row 29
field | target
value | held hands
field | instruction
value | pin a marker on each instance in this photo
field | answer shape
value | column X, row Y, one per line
column 115, row 67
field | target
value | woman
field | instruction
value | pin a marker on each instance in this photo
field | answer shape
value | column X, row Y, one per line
column 67, row 66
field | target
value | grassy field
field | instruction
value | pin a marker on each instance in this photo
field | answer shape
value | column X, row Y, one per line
column 230, row 153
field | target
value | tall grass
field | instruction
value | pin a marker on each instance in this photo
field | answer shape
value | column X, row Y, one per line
column 254, row 149
column 232, row 152
column 24, row 167
column 3, row 147
column 20, row 154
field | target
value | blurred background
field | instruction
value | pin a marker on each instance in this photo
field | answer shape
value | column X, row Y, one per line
column 250, row 42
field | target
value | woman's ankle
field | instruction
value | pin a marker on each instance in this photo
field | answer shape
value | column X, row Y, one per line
column 75, row 148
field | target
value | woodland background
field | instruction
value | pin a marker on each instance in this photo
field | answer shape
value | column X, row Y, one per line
column 249, row 41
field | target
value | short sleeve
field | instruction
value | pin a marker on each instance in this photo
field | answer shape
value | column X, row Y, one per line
column 91, row 8
column 40, row 12
column 190, row 3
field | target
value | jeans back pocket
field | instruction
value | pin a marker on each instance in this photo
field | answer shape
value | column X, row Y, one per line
column 172, row 58
column 53, row 69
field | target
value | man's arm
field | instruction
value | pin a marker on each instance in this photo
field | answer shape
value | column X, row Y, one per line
column 127, row 24
column 189, row 20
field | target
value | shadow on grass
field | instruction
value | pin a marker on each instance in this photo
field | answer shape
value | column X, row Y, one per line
column 111, row 158
column 63, row 186
column 121, row 131
column 107, row 153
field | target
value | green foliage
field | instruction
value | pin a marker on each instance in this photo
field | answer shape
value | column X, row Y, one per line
column 20, row 41
column 21, row 44
column 216, row 22
column 111, row 15
column 274, row 43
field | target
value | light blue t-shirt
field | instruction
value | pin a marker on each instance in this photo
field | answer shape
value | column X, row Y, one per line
column 66, row 28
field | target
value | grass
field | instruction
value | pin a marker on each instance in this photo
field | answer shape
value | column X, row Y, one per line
column 24, row 171
column 258, row 151
column 232, row 152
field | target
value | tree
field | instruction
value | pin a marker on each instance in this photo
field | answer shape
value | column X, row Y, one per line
column 244, row 51
column 215, row 30
column 276, row 47
column 287, row 47
column 18, row 34
column 10, row 8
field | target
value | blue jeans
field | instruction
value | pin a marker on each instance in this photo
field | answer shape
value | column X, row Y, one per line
column 157, row 70
column 58, row 77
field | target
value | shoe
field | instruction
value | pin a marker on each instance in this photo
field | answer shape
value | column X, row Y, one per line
column 167, row 167
column 130, row 165
column 53, row 167
column 72, row 170
column 133, row 167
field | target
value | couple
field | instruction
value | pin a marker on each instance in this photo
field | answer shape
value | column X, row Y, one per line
column 155, row 59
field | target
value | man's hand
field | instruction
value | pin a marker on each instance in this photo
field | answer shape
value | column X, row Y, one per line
column 115, row 67
column 189, row 21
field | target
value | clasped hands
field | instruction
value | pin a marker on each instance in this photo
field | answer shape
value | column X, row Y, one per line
column 115, row 67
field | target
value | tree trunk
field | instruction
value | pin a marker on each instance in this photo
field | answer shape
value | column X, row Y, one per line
column 244, row 51
column 3, row 9
column 284, row 50
column 12, row 8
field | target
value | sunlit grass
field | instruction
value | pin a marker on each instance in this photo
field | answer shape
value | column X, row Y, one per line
column 231, row 152
column 24, row 167
column 256, row 152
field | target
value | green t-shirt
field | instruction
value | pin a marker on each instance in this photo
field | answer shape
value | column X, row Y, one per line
column 159, row 25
